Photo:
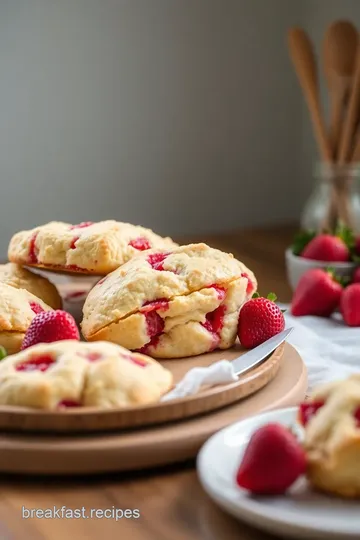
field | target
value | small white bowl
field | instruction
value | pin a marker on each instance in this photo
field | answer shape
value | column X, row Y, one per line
column 296, row 266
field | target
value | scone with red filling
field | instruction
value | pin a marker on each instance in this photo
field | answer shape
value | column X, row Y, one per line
column 170, row 303
column 67, row 374
column 88, row 248
column 18, row 307
column 21, row 278
column 332, row 437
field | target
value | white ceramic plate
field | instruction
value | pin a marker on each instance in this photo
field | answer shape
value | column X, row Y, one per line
column 302, row 513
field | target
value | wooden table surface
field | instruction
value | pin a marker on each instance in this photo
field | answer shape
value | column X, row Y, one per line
column 171, row 502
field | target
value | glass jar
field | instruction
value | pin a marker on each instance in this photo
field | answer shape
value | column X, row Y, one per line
column 335, row 198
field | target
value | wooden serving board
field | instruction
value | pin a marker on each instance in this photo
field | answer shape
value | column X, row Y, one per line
column 85, row 419
column 147, row 447
column 73, row 292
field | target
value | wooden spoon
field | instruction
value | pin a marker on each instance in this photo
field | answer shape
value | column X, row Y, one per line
column 303, row 58
column 339, row 50
column 356, row 152
column 352, row 113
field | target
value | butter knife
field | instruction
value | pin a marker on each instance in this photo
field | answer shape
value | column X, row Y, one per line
column 223, row 371
column 256, row 356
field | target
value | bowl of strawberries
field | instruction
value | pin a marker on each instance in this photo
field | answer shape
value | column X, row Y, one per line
column 339, row 250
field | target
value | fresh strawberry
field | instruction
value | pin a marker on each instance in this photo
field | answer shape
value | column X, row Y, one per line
column 350, row 305
column 272, row 462
column 49, row 326
column 326, row 247
column 317, row 293
column 356, row 275
column 259, row 320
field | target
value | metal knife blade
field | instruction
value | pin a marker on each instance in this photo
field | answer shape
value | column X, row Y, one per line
column 256, row 356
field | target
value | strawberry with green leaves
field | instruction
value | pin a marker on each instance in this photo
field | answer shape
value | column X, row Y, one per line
column 337, row 247
column 317, row 293
column 259, row 320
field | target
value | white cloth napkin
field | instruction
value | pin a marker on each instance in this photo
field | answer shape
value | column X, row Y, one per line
column 218, row 373
column 329, row 348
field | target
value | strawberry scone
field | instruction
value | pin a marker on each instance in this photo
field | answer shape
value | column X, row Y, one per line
column 331, row 419
column 18, row 307
column 88, row 248
column 170, row 303
column 68, row 374
column 21, row 278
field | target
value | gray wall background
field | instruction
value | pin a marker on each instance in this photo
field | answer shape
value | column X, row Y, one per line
column 182, row 115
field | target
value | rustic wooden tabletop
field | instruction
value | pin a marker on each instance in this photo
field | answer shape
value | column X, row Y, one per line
column 170, row 501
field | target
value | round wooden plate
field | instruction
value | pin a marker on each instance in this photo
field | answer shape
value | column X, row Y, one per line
column 26, row 453
column 94, row 419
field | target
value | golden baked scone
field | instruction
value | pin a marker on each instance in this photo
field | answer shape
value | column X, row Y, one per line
column 170, row 303
column 18, row 307
column 88, row 248
column 19, row 277
column 73, row 374
column 332, row 437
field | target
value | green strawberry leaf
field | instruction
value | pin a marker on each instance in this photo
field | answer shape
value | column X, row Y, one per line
column 301, row 240
column 343, row 281
column 355, row 257
column 346, row 235
column 3, row 352
column 271, row 296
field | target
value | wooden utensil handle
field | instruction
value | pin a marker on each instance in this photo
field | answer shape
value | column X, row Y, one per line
column 319, row 128
column 351, row 116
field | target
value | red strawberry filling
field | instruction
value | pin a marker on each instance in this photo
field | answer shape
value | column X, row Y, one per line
column 156, row 260
column 37, row 363
column 221, row 292
column 308, row 409
column 93, row 356
column 138, row 361
column 152, row 343
column 32, row 250
column 73, row 242
column 357, row 416
column 250, row 288
column 67, row 403
column 215, row 319
column 36, row 307
column 81, row 225
column 154, row 324
column 160, row 304
column 140, row 243
column 74, row 295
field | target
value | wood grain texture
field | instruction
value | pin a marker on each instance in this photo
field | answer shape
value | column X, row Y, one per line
column 171, row 500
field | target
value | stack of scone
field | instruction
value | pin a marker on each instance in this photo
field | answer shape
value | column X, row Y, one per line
column 87, row 249
column 152, row 298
